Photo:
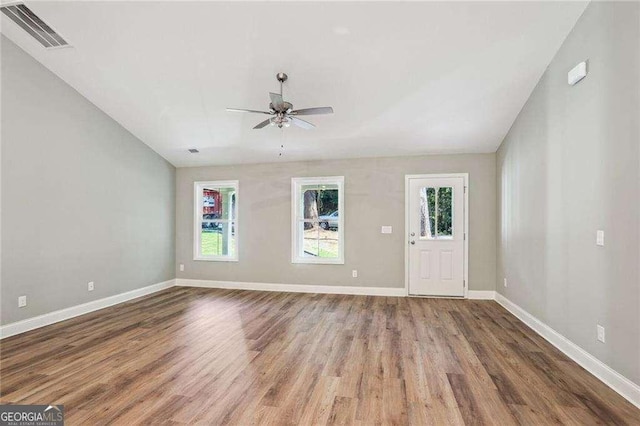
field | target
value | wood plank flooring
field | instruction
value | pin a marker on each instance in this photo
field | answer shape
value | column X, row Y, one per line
column 192, row 355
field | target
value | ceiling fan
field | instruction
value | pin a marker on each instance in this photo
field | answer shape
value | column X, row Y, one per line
column 282, row 112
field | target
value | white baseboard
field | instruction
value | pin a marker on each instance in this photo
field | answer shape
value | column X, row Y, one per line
column 481, row 294
column 53, row 317
column 616, row 381
column 294, row 288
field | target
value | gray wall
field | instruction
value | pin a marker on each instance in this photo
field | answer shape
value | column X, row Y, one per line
column 83, row 200
column 374, row 196
column 568, row 167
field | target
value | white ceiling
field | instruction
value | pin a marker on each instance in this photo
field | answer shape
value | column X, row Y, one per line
column 403, row 78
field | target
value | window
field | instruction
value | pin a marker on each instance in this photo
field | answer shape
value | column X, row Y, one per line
column 216, row 228
column 318, row 220
column 436, row 213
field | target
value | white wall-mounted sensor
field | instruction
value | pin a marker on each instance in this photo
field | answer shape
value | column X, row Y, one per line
column 577, row 73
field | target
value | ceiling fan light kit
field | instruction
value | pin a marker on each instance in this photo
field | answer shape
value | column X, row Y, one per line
column 282, row 112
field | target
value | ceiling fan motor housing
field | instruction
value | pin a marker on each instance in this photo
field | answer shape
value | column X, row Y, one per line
column 286, row 107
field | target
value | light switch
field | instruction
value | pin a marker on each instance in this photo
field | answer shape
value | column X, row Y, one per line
column 600, row 238
column 386, row 230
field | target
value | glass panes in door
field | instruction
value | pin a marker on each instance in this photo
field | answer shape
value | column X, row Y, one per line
column 436, row 213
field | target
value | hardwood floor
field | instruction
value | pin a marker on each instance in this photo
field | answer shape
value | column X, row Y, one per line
column 190, row 355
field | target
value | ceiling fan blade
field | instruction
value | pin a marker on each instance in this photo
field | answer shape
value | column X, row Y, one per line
column 313, row 111
column 247, row 110
column 262, row 124
column 301, row 123
column 276, row 101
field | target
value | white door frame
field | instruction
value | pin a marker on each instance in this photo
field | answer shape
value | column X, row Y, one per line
column 465, row 176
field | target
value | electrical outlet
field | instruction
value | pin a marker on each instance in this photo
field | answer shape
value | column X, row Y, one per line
column 90, row 286
column 182, row 267
column 600, row 333
column 599, row 238
column 505, row 282
column 22, row 301
column 354, row 273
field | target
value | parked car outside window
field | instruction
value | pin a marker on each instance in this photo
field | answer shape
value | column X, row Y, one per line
column 329, row 221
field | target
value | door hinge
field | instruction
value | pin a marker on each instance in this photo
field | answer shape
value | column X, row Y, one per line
column 465, row 236
column 464, row 284
column 465, row 189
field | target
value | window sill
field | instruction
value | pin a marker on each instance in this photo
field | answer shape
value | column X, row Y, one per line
column 216, row 259
column 318, row 261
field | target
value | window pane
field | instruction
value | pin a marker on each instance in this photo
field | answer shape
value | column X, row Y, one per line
column 317, row 205
column 319, row 201
column 445, row 212
column 218, row 203
column 310, row 203
column 328, row 243
column 309, row 232
column 328, row 204
column 218, row 239
column 319, row 242
column 427, row 213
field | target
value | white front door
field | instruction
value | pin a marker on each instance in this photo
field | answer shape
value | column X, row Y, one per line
column 436, row 236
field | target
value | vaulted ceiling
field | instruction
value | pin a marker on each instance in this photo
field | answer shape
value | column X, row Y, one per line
column 403, row 78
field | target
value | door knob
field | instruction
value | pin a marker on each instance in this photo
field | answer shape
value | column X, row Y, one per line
column 413, row 234
column 412, row 242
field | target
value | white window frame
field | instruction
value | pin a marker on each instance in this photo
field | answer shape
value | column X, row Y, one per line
column 296, row 213
column 197, row 203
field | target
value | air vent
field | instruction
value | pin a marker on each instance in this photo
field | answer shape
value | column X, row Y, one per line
column 31, row 23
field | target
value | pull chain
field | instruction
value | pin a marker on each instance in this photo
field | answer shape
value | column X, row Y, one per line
column 281, row 142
